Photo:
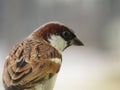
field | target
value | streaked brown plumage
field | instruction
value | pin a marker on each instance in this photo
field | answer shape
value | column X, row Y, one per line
column 35, row 60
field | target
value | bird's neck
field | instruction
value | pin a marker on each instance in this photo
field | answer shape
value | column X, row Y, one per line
column 57, row 42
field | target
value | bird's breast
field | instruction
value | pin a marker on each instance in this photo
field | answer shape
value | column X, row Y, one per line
column 47, row 85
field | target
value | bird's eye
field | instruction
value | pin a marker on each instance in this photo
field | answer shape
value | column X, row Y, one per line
column 67, row 35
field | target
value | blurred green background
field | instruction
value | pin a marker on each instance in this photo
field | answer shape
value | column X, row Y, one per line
column 96, row 66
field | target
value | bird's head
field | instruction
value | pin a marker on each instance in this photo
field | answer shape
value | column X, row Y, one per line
column 58, row 35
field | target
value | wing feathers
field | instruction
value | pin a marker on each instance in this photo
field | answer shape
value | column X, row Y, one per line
column 29, row 62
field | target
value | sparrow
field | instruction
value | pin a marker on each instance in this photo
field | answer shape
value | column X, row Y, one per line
column 34, row 63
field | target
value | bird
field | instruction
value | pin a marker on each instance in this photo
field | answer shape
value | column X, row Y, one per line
column 34, row 62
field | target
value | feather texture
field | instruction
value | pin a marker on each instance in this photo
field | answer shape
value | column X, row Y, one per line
column 30, row 62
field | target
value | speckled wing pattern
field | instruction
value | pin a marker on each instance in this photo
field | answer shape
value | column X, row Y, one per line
column 29, row 62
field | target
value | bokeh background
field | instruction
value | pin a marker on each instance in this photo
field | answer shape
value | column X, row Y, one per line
column 96, row 66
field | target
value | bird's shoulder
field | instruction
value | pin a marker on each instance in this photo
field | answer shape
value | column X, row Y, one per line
column 30, row 61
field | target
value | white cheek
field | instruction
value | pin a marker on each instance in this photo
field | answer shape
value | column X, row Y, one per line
column 58, row 42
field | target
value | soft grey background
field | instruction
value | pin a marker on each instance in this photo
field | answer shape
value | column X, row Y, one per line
column 96, row 22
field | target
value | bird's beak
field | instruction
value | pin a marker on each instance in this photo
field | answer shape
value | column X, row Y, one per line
column 77, row 42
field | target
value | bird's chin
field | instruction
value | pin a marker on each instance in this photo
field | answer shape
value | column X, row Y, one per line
column 66, row 47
